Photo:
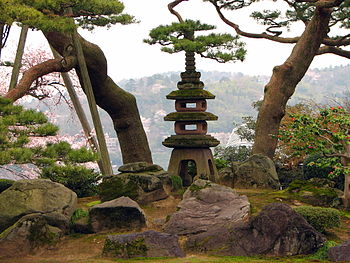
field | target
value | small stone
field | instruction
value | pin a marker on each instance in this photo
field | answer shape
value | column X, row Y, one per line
column 146, row 244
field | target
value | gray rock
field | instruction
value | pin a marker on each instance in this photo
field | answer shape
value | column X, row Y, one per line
column 27, row 234
column 204, row 205
column 35, row 196
column 19, row 171
column 340, row 253
column 138, row 167
column 145, row 244
column 258, row 171
column 118, row 214
column 278, row 230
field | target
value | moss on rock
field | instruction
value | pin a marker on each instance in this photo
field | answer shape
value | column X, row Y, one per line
column 134, row 248
column 314, row 193
column 117, row 186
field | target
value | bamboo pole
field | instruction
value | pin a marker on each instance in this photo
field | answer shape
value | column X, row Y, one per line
column 86, row 83
column 18, row 59
column 79, row 110
column 2, row 26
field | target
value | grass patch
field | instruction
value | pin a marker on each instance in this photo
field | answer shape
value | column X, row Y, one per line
column 97, row 202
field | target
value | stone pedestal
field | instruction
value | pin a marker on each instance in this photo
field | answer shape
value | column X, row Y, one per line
column 203, row 158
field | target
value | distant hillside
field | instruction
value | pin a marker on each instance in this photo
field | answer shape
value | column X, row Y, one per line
column 235, row 93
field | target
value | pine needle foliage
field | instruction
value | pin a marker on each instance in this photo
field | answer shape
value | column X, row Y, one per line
column 49, row 15
column 179, row 37
column 57, row 161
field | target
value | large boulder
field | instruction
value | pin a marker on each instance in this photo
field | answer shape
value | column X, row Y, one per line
column 43, row 196
column 258, row 171
column 204, row 205
column 27, row 234
column 141, row 181
column 340, row 253
column 278, row 230
column 146, row 244
column 118, row 214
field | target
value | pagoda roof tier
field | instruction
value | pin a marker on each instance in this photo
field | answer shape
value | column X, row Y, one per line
column 191, row 116
column 190, row 85
column 186, row 94
column 190, row 141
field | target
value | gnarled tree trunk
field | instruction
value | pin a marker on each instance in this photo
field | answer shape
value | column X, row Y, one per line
column 119, row 104
column 284, row 81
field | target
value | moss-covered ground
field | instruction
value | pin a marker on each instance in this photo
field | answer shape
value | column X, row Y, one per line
column 88, row 248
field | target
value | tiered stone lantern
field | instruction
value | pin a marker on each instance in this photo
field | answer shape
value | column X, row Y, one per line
column 191, row 142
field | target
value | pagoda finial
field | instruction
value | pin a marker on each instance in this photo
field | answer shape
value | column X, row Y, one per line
column 190, row 75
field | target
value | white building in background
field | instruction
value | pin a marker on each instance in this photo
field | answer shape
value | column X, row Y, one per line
column 236, row 141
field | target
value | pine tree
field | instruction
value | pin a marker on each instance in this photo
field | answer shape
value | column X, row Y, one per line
column 180, row 36
column 57, row 161
column 57, row 24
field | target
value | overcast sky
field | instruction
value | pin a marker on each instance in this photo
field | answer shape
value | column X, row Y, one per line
column 129, row 57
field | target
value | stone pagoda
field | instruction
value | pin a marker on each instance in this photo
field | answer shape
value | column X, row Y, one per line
column 191, row 142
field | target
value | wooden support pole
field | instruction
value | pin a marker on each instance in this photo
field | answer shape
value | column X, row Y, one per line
column 80, row 111
column 107, row 168
column 18, row 60
column 2, row 27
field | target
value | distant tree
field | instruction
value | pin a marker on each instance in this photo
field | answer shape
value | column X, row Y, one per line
column 327, row 133
column 51, row 17
column 320, row 19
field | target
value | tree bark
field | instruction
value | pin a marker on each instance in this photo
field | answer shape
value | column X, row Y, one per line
column 119, row 104
column 345, row 160
column 29, row 76
column 284, row 81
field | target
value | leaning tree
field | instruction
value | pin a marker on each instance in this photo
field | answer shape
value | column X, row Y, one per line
column 320, row 18
column 58, row 26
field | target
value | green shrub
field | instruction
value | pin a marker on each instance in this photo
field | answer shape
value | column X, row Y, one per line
column 57, row 150
column 21, row 155
column 287, row 175
column 319, row 217
column 78, row 214
column 176, row 182
column 82, row 155
column 221, row 163
column 316, row 192
column 314, row 171
column 5, row 183
column 322, row 253
column 81, row 180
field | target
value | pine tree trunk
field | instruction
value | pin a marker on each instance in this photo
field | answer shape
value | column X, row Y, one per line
column 119, row 104
column 284, row 81
column 345, row 160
